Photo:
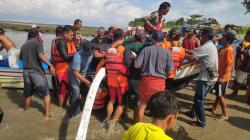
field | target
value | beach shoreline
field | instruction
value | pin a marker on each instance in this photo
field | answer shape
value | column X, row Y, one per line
column 45, row 28
column 30, row 125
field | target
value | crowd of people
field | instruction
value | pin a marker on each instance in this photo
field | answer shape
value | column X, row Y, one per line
column 138, row 62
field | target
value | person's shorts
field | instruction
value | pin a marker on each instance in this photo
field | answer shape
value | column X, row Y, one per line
column 150, row 86
column 118, row 94
column 35, row 80
column 134, row 89
column 221, row 89
column 241, row 77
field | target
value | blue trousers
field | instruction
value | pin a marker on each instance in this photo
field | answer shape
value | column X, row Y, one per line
column 202, row 89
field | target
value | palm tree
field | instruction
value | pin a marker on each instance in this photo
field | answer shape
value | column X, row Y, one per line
column 246, row 3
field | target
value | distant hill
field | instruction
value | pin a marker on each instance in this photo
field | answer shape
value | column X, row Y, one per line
column 45, row 28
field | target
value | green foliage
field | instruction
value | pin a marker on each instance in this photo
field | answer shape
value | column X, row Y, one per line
column 246, row 4
column 180, row 21
column 137, row 22
column 196, row 16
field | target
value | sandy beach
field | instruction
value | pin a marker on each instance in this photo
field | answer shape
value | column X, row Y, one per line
column 30, row 125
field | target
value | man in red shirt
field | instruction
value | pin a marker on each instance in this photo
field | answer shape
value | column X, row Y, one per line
column 189, row 42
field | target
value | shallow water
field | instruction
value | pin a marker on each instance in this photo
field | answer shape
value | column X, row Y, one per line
column 19, row 37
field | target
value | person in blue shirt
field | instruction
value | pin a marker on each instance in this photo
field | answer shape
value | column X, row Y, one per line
column 77, row 74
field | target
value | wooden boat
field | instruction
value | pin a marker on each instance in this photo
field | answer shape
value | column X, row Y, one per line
column 13, row 78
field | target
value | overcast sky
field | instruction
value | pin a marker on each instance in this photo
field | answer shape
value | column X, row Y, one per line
column 120, row 12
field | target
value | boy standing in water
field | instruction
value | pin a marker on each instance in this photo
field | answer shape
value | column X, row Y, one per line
column 8, row 44
column 34, row 76
column 164, row 110
column 226, row 60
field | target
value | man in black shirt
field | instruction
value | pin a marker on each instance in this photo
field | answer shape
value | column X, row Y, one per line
column 101, row 38
column 34, row 76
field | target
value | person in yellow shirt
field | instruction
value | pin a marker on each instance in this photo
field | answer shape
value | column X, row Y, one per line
column 164, row 109
column 226, row 61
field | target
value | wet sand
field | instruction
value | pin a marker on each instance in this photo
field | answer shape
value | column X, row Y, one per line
column 30, row 125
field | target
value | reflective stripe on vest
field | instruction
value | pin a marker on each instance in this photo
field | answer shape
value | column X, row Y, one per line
column 114, row 62
column 100, row 100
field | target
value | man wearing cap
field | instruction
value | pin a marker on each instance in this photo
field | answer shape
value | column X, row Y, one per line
column 34, row 26
column 77, row 74
column 155, row 62
column 78, row 71
column 8, row 44
column 208, row 56
column 32, row 54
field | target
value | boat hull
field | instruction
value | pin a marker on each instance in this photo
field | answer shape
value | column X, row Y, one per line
column 13, row 78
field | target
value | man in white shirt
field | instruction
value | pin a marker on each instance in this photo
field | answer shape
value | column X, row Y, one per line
column 208, row 56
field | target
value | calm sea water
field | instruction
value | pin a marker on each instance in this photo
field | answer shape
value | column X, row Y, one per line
column 19, row 37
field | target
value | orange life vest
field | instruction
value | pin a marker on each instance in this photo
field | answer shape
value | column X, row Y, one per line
column 115, row 67
column 100, row 100
column 159, row 26
column 115, row 62
column 60, row 64
column 168, row 45
column 246, row 44
column 178, row 54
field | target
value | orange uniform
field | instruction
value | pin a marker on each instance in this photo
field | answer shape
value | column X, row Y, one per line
column 226, row 60
column 178, row 54
column 62, row 67
column 246, row 44
column 167, row 44
column 60, row 64
column 117, row 74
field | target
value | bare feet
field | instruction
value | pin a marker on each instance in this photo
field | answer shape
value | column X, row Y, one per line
column 212, row 110
column 47, row 117
column 223, row 118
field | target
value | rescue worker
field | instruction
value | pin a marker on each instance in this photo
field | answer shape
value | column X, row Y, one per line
column 170, row 40
column 178, row 55
column 117, row 81
column 62, row 54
